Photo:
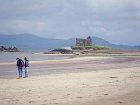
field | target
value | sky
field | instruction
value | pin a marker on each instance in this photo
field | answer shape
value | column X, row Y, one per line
column 117, row 21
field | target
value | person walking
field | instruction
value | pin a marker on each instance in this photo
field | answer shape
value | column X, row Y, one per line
column 26, row 67
column 20, row 65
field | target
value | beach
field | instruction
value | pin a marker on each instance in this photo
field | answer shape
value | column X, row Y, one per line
column 75, row 81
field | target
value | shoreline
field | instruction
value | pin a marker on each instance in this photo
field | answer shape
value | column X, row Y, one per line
column 77, row 64
column 80, row 57
column 59, row 60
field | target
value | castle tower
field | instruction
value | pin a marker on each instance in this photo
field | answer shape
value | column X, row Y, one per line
column 89, row 41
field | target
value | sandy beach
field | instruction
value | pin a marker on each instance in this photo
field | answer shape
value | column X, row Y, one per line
column 77, row 81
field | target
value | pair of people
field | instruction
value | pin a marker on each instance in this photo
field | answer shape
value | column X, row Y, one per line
column 20, row 65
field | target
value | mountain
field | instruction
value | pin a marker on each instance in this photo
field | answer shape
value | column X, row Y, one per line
column 30, row 42
column 100, row 41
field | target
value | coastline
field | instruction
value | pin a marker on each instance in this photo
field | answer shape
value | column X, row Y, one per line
column 78, row 64
column 60, row 60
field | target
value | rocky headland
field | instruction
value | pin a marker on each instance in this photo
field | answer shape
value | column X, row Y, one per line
column 8, row 49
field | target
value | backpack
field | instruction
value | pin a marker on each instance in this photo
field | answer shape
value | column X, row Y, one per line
column 21, row 63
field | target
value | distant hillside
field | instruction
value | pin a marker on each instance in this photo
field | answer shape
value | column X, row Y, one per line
column 100, row 41
column 29, row 41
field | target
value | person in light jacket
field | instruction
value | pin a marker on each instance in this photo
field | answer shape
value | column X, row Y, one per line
column 26, row 67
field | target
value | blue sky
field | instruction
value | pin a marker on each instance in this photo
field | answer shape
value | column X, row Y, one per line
column 117, row 21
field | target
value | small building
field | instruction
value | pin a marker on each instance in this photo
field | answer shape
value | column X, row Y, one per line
column 84, row 42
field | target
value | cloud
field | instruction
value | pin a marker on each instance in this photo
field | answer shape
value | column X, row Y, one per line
column 22, row 26
column 115, row 20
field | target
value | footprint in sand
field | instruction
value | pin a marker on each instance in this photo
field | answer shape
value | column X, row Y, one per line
column 117, row 81
column 17, row 99
column 106, row 94
column 56, row 103
column 31, row 101
column 113, row 77
column 119, row 102
column 110, row 82
column 53, row 99
column 79, row 68
column 68, row 95
column 79, row 97
column 29, row 90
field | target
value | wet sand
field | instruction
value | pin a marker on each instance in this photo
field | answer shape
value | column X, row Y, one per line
column 78, row 81
column 82, row 64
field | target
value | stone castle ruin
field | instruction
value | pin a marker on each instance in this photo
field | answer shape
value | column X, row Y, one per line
column 84, row 42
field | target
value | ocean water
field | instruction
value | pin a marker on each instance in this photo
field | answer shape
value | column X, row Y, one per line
column 7, row 57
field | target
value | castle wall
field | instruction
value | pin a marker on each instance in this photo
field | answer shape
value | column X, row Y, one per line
column 84, row 42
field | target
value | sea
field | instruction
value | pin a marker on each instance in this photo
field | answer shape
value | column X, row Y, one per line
column 8, row 57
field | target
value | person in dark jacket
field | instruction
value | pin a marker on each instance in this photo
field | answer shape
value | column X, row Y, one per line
column 20, row 65
column 26, row 67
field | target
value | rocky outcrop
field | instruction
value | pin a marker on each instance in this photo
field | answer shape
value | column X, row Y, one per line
column 8, row 49
column 59, row 51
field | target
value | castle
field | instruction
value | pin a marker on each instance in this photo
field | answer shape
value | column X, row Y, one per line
column 84, row 42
